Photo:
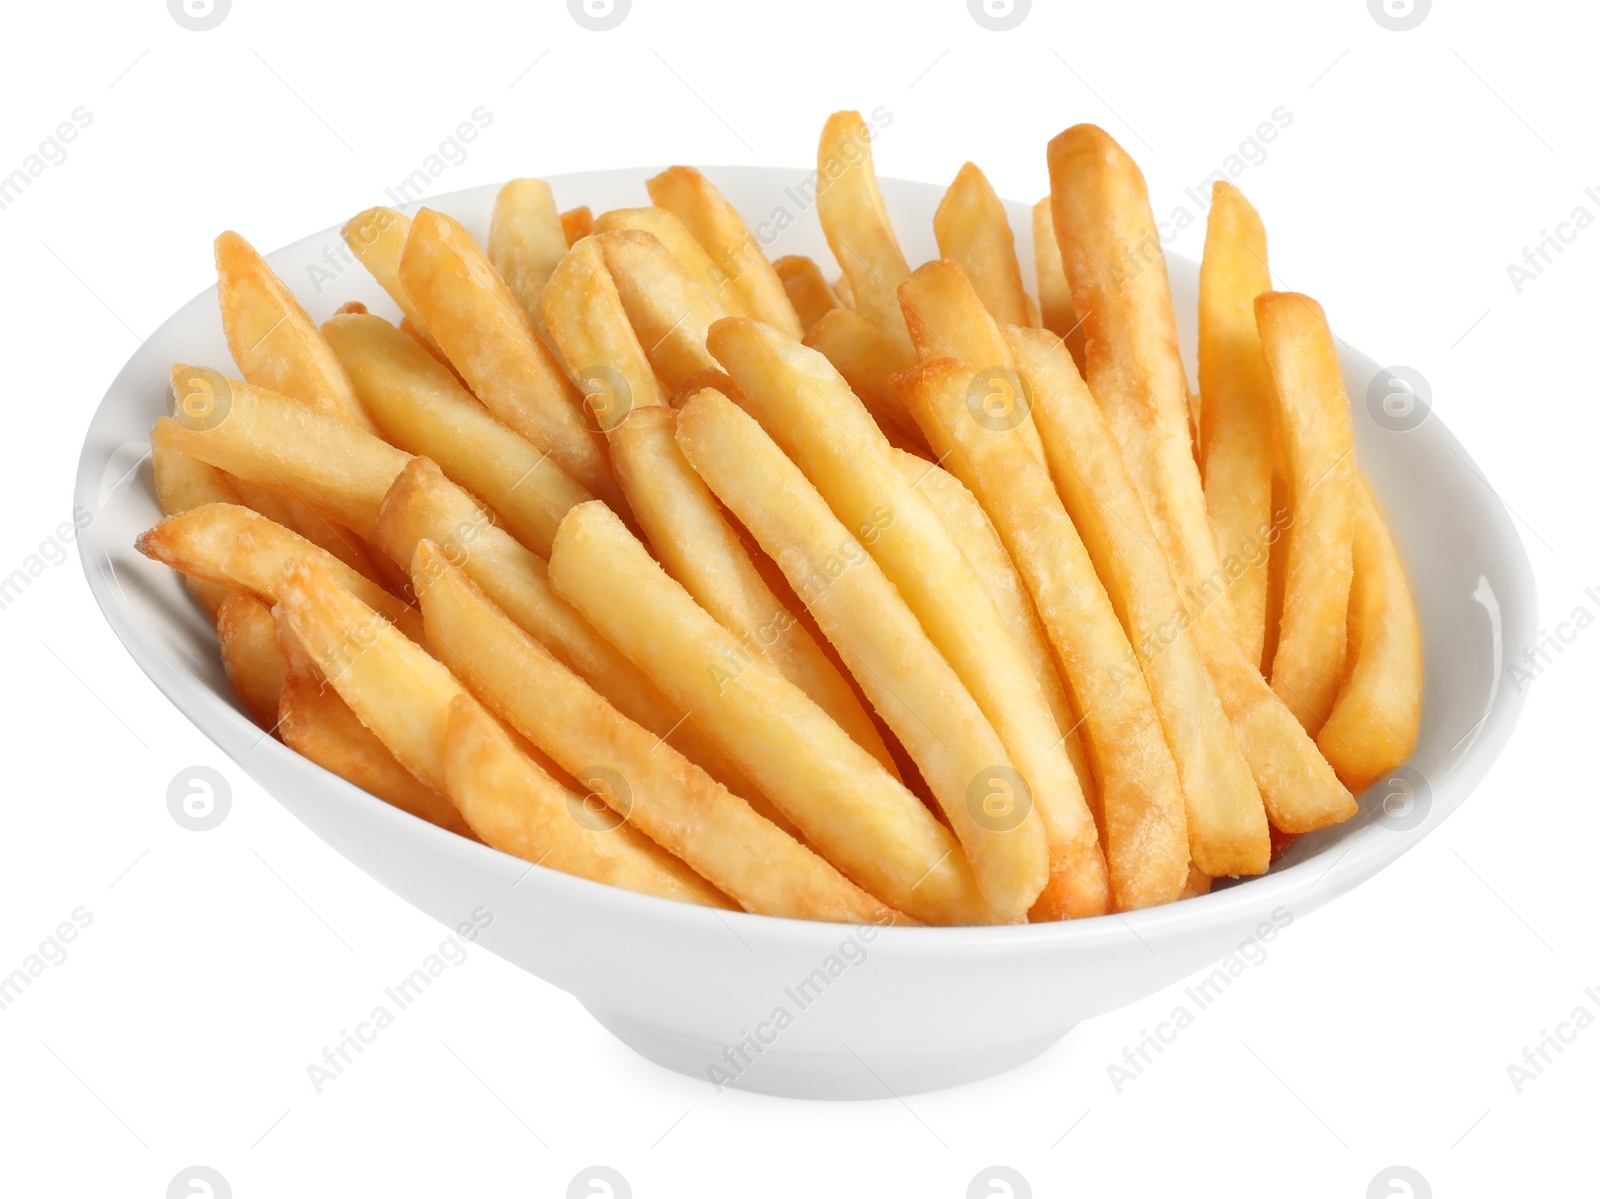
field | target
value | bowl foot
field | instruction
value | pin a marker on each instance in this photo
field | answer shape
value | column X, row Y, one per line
column 846, row 1074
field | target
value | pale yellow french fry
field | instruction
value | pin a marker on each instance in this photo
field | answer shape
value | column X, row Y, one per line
column 251, row 659
column 422, row 407
column 856, row 223
column 1112, row 254
column 526, row 239
column 577, row 224
column 516, row 807
column 808, row 292
column 377, row 237
column 1373, row 726
column 1236, row 402
column 691, row 539
column 728, row 242
column 491, row 342
column 315, row 723
column 668, row 310
column 672, row 233
column 652, row 787
column 1226, row 820
column 1141, row 800
column 1055, row 293
column 851, row 810
column 867, row 358
column 810, row 411
column 1312, row 417
column 908, row 681
column 590, row 329
column 971, row 228
column 266, row 438
column 181, row 483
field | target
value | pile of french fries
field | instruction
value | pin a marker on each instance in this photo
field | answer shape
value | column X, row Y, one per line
column 910, row 598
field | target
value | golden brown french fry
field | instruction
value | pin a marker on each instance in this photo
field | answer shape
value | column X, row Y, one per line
column 254, row 664
column 1373, row 726
column 672, row 233
column 668, row 310
column 1055, row 293
column 294, row 653
column 273, row 341
column 1235, row 401
column 1112, row 254
column 526, row 239
column 808, row 292
column 1141, row 799
column 699, row 549
column 590, row 329
column 809, row 410
column 1312, row 416
column 577, row 224
column 1227, row 823
column 422, row 407
column 266, row 438
column 1198, row 884
column 181, row 483
column 317, row 724
column 856, row 223
column 909, row 683
column 866, row 358
column 377, row 237
column 305, row 520
column 491, row 342
column 728, row 242
column 851, row 810
column 653, row 788
column 971, row 228
column 516, row 807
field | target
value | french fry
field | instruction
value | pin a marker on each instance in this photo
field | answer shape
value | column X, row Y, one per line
column 317, row 724
column 856, row 223
column 1055, row 293
column 866, row 358
column 1373, row 726
column 273, row 341
column 691, row 539
column 251, row 658
column 294, row 653
column 971, row 228
column 1312, row 416
column 663, row 794
column 1235, row 400
column 491, row 342
column 526, row 239
column 851, row 810
column 672, row 233
column 516, row 807
column 232, row 546
column 305, row 520
column 668, row 310
column 420, row 405
column 728, row 242
column 590, row 329
column 377, row 237
column 809, row 410
column 577, row 224
column 1112, row 255
column 348, row 307
column 266, row 438
column 808, row 292
column 1140, row 797
column 910, row 684
column 181, row 483
column 1226, row 820
column 847, row 297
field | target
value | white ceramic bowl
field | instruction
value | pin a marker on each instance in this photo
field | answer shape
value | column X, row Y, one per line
column 785, row 1006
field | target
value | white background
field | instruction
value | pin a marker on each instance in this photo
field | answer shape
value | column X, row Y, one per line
column 1417, row 166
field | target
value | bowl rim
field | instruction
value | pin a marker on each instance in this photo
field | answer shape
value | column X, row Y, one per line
column 228, row 728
